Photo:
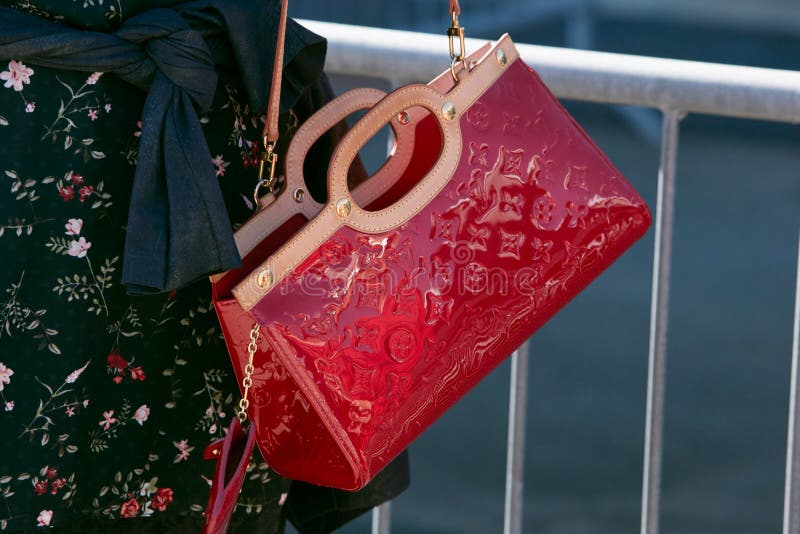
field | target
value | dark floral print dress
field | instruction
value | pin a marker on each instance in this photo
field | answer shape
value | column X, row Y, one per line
column 107, row 401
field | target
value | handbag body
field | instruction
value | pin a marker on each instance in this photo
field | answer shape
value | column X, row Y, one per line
column 373, row 321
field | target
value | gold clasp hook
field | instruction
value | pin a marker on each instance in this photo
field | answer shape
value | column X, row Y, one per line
column 456, row 31
column 268, row 159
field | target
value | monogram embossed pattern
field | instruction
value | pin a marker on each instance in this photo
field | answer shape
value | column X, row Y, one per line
column 385, row 331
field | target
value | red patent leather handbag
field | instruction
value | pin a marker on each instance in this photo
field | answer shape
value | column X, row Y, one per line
column 369, row 323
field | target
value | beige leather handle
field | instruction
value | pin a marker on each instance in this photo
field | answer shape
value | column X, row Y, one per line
column 282, row 208
column 408, row 97
column 329, row 116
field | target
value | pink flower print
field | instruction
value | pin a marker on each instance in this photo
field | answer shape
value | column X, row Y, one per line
column 70, row 410
column 117, row 380
column 85, row 191
column 137, row 373
column 57, row 485
column 30, row 107
column 78, row 248
column 138, row 133
column 93, row 77
column 85, row 403
column 45, row 516
column 73, row 376
column 183, row 450
column 66, row 193
column 75, row 178
column 74, row 226
column 108, row 420
column 220, row 165
column 40, row 487
column 16, row 75
column 282, row 500
column 51, row 473
column 213, row 429
column 141, row 414
column 115, row 362
column 129, row 509
column 9, row 406
column 5, row 375
column 92, row 114
column 162, row 499
column 107, row 107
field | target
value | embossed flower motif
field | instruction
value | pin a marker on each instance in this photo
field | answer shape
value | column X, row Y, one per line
column 576, row 178
column 512, row 163
column 370, row 253
column 510, row 244
column 439, row 309
column 442, row 275
column 541, row 249
column 17, row 75
column 400, row 344
column 577, row 214
column 478, row 155
column 515, row 124
column 334, row 251
column 475, row 277
column 511, row 206
column 442, row 227
column 478, row 116
column 478, row 236
column 543, row 211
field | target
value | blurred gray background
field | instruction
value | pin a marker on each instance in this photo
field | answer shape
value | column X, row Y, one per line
column 737, row 217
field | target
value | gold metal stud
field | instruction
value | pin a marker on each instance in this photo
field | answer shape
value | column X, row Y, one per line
column 501, row 56
column 402, row 118
column 343, row 208
column 264, row 279
column 299, row 195
column 449, row 110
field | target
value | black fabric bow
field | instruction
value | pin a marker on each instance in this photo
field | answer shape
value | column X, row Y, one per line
column 178, row 227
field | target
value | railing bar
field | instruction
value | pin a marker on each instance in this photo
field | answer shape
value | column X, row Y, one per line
column 656, row 374
column 515, row 455
column 791, row 499
column 382, row 518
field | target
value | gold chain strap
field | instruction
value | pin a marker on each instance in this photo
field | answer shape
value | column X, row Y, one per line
column 247, row 381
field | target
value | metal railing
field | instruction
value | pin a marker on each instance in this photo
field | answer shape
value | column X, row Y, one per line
column 674, row 87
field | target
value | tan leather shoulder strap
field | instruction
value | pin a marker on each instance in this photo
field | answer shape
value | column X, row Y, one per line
column 270, row 133
column 455, row 8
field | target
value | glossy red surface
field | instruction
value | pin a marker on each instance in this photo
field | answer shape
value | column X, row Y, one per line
column 383, row 332
column 232, row 454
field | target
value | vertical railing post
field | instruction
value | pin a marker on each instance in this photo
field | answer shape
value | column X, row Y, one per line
column 659, row 308
column 791, row 499
column 515, row 455
column 382, row 518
